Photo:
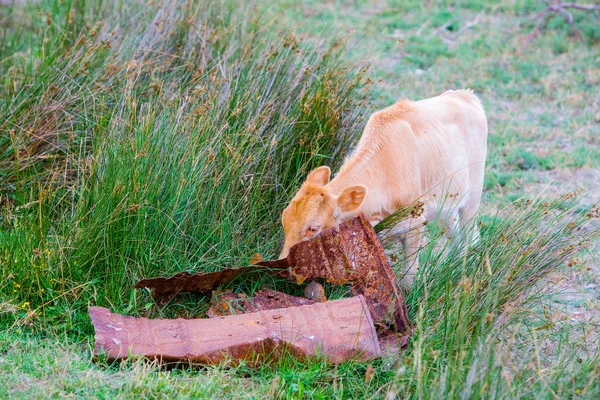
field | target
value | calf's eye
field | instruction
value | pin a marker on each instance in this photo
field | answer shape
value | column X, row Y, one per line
column 311, row 231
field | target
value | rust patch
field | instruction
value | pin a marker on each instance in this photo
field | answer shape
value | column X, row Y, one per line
column 229, row 303
column 341, row 330
column 315, row 292
column 391, row 343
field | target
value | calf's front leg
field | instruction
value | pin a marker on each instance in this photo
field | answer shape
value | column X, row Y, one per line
column 410, row 234
column 412, row 244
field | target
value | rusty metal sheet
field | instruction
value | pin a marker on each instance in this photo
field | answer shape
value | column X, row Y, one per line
column 352, row 253
column 341, row 330
column 391, row 343
column 165, row 288
column 229, row 303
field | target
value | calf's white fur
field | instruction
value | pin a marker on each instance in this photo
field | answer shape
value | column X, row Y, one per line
column 411, row 151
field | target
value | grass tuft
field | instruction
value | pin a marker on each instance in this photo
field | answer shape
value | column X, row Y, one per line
column 168, row 138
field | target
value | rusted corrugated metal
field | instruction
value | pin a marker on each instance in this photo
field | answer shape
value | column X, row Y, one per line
column 341, row 330
column 229, row 303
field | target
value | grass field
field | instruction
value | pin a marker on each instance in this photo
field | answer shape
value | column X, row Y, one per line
column 146, row 138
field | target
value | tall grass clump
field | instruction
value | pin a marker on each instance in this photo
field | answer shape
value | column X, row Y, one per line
column 144, row 139
column 466, row 302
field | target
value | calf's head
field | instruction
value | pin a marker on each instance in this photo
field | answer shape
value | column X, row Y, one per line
column 315, row 208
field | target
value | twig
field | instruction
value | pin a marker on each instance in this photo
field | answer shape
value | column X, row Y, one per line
column 450, row 38
column 585, row 7
column 557, row 8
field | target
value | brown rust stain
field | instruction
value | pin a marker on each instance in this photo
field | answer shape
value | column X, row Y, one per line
column 229, row 303
column 315, row 292
column 342, row 330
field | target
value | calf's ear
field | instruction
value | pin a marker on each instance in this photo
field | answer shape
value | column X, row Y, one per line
column 319, row 176
column 351, row 198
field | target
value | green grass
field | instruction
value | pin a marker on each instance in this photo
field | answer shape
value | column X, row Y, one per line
column 146, row 139
column 164, row 155
column 538, row 99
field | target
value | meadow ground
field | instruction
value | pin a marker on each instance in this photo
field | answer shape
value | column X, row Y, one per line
column 141, row 139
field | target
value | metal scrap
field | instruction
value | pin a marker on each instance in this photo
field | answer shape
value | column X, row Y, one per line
column 350, row 253
column 341, row 330
column 230, row 303
column 315, row 292
column 164, row 289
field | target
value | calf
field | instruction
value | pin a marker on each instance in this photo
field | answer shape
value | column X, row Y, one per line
column 411, row 151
